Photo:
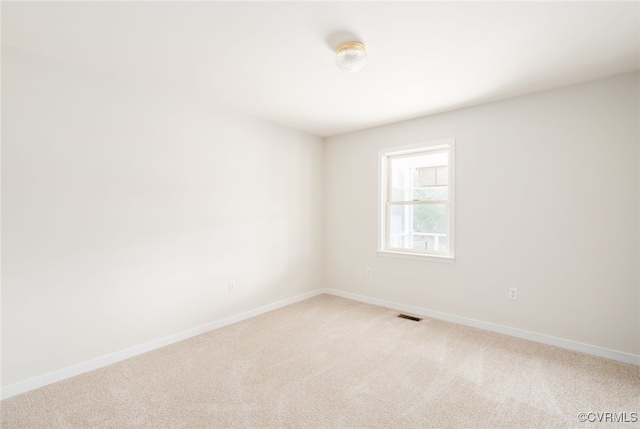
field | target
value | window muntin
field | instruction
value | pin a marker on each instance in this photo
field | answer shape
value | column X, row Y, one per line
column 417, row 200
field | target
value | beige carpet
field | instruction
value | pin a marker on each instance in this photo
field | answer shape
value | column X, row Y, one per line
column 331, row 362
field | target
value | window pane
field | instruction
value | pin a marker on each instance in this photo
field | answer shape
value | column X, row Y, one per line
column 397, row 226
column 425, row 194
column 420, row 227
column 420, row 177
column 442, row 174
column 426, row 176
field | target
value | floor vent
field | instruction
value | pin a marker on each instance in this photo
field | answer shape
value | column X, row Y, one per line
column 405, row 316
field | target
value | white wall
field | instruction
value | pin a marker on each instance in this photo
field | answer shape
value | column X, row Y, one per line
column 127, row 209
column 547, row 201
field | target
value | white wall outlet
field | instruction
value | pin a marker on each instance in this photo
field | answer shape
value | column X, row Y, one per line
column 368, row 272
column 232, row 285
column 513, row 293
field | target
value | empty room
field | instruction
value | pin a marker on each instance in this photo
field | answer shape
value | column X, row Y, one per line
column 320, row 214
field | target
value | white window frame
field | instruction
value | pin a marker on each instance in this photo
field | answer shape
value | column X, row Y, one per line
column 383, row 199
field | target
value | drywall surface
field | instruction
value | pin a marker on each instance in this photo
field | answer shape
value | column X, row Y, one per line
column 547, row 201
column 127, row 209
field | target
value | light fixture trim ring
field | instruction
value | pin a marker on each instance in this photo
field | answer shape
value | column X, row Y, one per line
column 351, row 45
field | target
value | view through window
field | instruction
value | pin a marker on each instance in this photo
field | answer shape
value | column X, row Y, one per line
column 417, row 199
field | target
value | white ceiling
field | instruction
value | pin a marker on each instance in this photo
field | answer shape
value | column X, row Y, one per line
column 275, row 60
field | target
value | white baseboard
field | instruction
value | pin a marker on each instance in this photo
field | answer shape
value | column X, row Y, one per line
column 513, row 332
column 52, row 377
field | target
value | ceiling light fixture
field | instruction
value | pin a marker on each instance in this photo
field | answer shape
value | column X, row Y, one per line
column 351, row 56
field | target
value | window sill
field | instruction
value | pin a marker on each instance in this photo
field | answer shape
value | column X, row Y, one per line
column 417, row 257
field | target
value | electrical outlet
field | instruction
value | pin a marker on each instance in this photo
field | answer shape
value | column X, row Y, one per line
column 232, row 285
column 513, row 293
column 368, row 272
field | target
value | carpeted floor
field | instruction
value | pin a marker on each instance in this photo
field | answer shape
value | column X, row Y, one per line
column 331, row 362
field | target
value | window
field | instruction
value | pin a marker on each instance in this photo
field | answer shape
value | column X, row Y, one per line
column 417, row 201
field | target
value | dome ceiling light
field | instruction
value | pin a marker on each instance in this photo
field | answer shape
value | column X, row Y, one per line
column 351, row 56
